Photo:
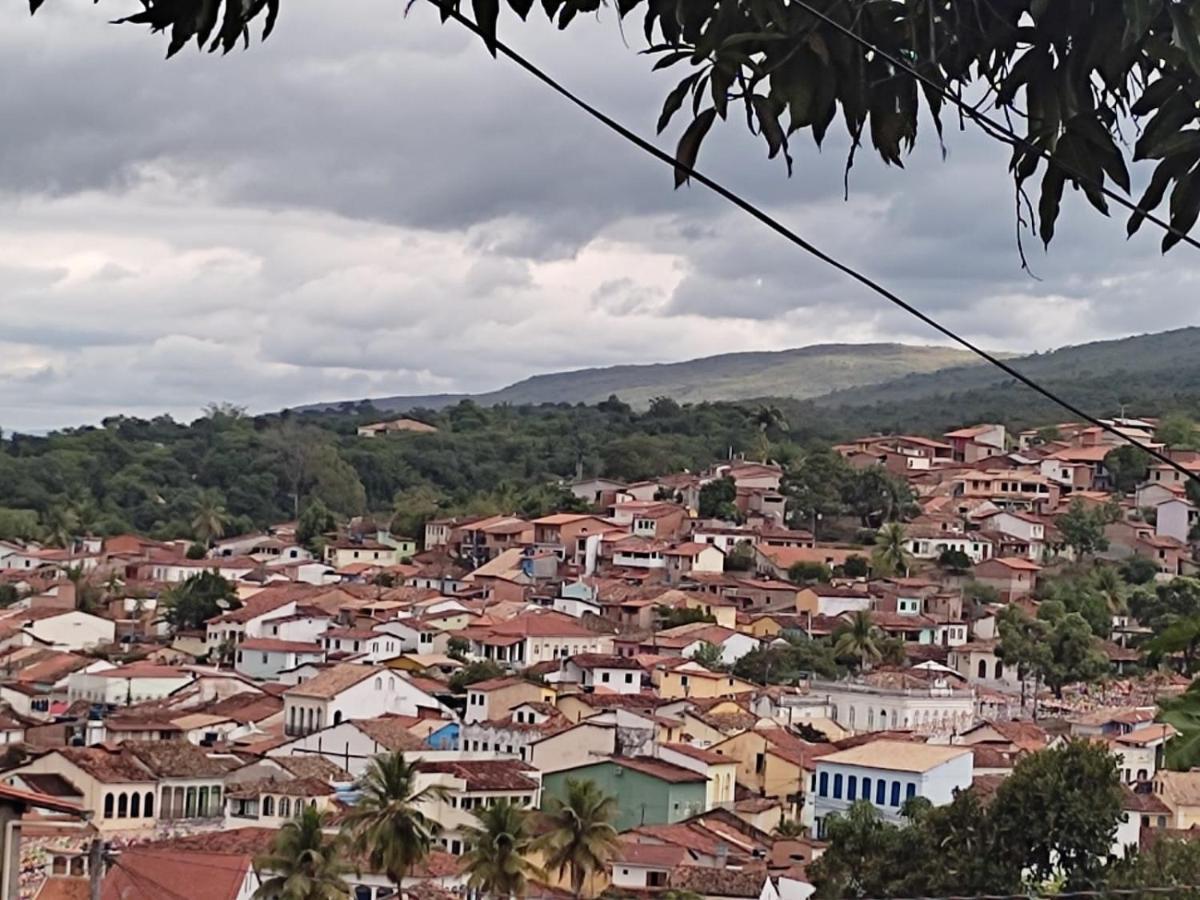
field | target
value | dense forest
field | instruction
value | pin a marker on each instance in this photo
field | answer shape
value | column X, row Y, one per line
column 159, row 476
column 170, row 479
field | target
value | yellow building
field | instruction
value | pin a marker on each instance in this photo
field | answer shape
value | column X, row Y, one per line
column 772, row 762
column 692, row 681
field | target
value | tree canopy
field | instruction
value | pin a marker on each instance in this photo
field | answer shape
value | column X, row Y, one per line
column 1069, row 76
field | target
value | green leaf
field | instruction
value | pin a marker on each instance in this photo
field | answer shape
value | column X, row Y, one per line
column 1048, row 205
column 1184, row 35
column 689, row 144
column 487, row 12
column 768, row 123
column 675, row 100
column 1164, row 173
column 1171, row 116
column 1185, row 207
column 1155, row 95
column 521, row 7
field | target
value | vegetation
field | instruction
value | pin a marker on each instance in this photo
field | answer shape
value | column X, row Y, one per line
column 717, row 500
column 580, row 839
column 473, row 672
column 198, row 598
column 497, row 862
column 1054, row 818
column 709, row 655
column 304, row 863
column 891, row 556
column 386, row 825
column 1056, row 648
column 809, row 573
column 1082, row 526
column 859, row 640
column 799, row 658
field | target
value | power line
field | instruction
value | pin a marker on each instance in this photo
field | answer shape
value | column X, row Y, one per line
column 781, row 229
column 989, row 124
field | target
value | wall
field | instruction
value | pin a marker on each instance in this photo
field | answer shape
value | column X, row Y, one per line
column 641, row 799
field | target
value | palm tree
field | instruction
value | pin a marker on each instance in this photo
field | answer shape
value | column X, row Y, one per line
column 582, row 838
column 1109, row 583
column 210, row 517
column 304, row 863
column 859, row 639
column 59, row 527
column 767, row 419
column 496, row 862
column 386, row 825
column 891, row 554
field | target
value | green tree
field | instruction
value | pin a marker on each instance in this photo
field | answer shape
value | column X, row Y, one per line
column 1138, row 570
column 412, row 508
column 861, row 857
column 1167, row 862
column 891, row 556
column 1183, row 714
column 60, row 527
column 474, row 672
column 813, row 488
column 1127, row 467
column 209, row 517
column 717, row 500
column 708, row 655
column 740, row 558
column 1180, row 637
column 1179, row 432
column 458, row 648
column 876, row 496
column 1082, row 527
column 198, row 598
column 386, row 825
column 580, row 837
column 1073, row 653
column 859, row 639
column 809, row 573
column 954, row 561
column 1160, row 605
column 496, row 863
column 315, row 520
column 1023, row 644
column 304, row 863
column 1058, row 813
column 856, row 566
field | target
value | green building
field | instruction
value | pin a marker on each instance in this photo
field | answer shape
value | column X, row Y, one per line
column 648, row 791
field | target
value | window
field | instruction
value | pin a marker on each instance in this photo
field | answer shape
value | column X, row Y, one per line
column 999, row 670
column 896, row 793
column 122, row 807
column 823, row 785
column 880, row 792
column 108, row 806
column 982, row 668
column 265, row 658
column 760, row 764
column 148, row 805
column 268, row 806
column 910, row 791
column 870, row 720
column 629, row 678
column 837, row 787
column 866, row 786
column 852, row 788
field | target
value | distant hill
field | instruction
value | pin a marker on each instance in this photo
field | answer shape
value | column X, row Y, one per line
column 801, row 373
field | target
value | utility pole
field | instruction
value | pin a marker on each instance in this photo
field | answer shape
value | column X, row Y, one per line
column 95, row 867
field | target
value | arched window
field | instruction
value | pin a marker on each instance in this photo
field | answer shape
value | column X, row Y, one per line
column 148, row 805
column 866, row 793
column 189, row 808
column 268, row 806
column 108, row 806
column 852, row 788
column 122, row 806
column 285, row 807
column 999, row 669
column 870, row 720
column 202, row 809
column 337, row 717
column 837, row 787
column 135, row 806
column 982, row 668
column 379, row 684
column 852, row 717
column 823, row 785
column 880, row 792
column 216, row 801
column 896, row 794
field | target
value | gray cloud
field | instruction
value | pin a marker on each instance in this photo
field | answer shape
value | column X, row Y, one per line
column 369, row 204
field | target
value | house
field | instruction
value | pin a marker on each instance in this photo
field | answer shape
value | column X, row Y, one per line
column 352, row 744
column 394, row 426
column 777, row 561
column 568, row 535
column 977, row 442
column 649, row 791
column 204, row 875
column 346, row 551
column 581, row 743
column 1180, row 792
column 515, row 732
column 534, row 637
column 692, row 680
column 884, row 700
column 597, row 491
column 978, row 663
column 887, row 774
column 720, row 771
column 72, row 630
column 250, row 620
column 603, row 672
column 827, row 600
column 1012, row 577
column 265, row 658
column 472, row 784
column 683, row 559
column 348, row 691
column 127, row 685
column 772, row 762
column 930, row 542
column 496, row 697
column 14, row 804
column 270, row 802
column 650, row 519
column 1176, row 518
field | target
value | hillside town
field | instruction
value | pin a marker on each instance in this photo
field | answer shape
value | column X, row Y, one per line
column 719, row 672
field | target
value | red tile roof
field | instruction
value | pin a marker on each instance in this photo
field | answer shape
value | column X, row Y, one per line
column 657, row 768
column 205, row 876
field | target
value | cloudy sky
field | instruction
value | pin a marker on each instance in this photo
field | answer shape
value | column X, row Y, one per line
column 368, row 205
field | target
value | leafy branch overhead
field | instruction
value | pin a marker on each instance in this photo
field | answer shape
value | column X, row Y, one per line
column 1069, row 76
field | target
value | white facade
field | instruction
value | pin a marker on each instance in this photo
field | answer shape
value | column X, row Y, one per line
column 879, row 776
column 975, row 547
column 733, row 647
column 73, row 630
column 937, row 710
column 264, row 662
column 305, row 629
column 380, row 691
column 117, row 688
column 1176, row 518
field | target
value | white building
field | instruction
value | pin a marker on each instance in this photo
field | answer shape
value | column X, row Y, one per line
column 937, row 708
column 72, row 630
column 349, row 691
column 127, row 685
column 887, row 774
column 265, row 658
column 618, row 674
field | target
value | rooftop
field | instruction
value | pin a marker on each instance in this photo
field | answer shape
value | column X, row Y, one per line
column 896, row 756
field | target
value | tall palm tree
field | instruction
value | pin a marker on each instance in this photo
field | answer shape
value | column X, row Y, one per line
column 891, row 554
column 59, row 527
column 859, row 639
column 210, row 517
column 496, row 864
column 387, row 825
column 304, row 863
column 581, row 838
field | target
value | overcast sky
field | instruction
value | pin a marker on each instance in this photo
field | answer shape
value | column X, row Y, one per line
column 369, row 205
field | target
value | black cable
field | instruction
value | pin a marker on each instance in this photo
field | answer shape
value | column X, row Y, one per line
column 987, row 122
column 778, row 227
